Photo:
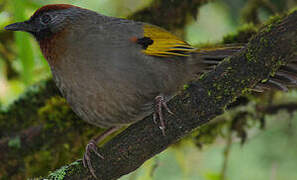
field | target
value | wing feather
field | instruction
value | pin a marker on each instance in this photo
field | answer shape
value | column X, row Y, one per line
column 165, row 44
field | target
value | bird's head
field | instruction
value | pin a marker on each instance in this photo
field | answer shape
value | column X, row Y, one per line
column 51, row 25
column 47, row 21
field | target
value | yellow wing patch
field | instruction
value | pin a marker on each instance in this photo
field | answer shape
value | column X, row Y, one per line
column 165, row 44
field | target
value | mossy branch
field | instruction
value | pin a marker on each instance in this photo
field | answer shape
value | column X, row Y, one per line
column 205, row 98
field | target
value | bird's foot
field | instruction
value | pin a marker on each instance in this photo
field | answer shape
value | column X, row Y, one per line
column 160, row 103
column 91, row 146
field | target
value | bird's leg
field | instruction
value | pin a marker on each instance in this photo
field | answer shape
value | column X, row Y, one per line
column 159, row 104
column 92, row 147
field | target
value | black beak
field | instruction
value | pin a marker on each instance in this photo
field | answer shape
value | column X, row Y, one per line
column 20, row 26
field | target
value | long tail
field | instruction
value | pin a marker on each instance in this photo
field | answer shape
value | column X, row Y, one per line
column 284, row 78
column 213, row 56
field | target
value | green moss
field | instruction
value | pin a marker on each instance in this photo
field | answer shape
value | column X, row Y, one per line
column 274, row 19
column 15, row 142
column 250, row 56
column 226, row 91
column 264, row 80
column 217, row 86
column 219, row 97
column 55, row 112
column 23, row 112
column 242, row 35
column 208, row 134
column 264, row 42
column 76, row 167
column 68, row 170
column 209, row 93
column 59, row 174
column 281, row 62
column 228, row 60
column 272, row 22
column 202, row 76
column 245, row 90
column 186, row 86
column 292, row 10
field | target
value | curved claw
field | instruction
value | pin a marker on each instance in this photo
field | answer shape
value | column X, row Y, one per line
column 91, row 146
column 160, row 102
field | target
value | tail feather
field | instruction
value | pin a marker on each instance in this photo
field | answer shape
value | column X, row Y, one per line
column 271, row 84
column 287, row 77
column 217, row 54
column 284, row 78
column 211, row 57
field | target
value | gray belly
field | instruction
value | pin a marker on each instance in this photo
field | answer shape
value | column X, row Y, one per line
column 107, row 104
column 120, row 93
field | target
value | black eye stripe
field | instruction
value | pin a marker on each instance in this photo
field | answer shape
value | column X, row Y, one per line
column 45, row 19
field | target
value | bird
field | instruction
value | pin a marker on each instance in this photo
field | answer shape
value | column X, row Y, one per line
column 114, row 72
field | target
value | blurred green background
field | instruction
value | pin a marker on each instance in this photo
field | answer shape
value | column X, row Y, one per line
column 269, row 154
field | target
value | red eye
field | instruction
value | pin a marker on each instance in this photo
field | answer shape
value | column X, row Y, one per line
column 45, row 19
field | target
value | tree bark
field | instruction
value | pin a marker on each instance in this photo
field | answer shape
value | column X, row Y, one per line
column 205, row 98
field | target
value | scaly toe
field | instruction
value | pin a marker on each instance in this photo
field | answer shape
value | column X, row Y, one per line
column 161, row 103
column 91, row 146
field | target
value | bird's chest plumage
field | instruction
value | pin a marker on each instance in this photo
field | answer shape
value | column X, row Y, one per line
column 105, row 96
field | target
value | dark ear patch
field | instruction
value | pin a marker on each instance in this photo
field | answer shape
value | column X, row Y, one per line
column 144, row 42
